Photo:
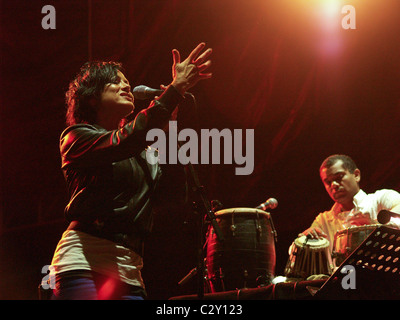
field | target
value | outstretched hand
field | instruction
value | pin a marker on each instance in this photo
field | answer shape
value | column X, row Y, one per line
column 187, row 73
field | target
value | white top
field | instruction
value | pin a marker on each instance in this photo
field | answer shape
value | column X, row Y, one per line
column 81, row 251
column 370, row 204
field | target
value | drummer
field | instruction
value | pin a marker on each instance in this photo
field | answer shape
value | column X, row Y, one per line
column 353, row 207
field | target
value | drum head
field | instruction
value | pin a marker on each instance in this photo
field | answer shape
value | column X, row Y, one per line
column 250, row 211
column 303, row 241
column 357, row 229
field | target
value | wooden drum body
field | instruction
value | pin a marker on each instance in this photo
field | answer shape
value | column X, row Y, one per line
column 347, row 240
column 246, row 258
column 308, row 257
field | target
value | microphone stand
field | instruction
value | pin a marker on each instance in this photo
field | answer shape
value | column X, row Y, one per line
column 205, row 206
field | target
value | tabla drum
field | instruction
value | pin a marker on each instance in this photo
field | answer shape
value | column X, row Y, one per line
column 347, row 240
column 246, row 258
column 308, row 257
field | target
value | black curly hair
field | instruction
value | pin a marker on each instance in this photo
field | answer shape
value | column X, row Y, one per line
column 89, row 83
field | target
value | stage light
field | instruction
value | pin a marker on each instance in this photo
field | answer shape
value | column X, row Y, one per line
column 327, row 18
column 317, row 23
column 328, row 15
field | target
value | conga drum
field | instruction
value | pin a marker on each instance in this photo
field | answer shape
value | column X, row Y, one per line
column 246, row 258
column 308, row 257
column 347, row 240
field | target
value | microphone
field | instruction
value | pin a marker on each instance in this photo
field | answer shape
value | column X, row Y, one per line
column 189, row 276
column 145, row 93
column 271, row 203
column 384, row 216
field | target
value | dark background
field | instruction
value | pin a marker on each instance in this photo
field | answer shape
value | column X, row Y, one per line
column 307, row 91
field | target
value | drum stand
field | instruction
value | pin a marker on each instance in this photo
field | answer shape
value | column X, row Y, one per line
column 375, row 265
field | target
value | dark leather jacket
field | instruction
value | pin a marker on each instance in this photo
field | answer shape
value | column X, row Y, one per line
column 110, row 183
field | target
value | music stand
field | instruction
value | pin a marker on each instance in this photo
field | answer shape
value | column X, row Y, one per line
column 376, row 262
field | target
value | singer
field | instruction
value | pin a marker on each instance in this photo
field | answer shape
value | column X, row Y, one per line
column 353, row 207
column 111, row 186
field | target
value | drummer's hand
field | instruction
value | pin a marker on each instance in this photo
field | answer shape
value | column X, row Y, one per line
column 314, row 233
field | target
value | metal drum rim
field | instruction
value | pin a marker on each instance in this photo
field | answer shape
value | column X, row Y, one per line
column 357, row 228
column 241, row 210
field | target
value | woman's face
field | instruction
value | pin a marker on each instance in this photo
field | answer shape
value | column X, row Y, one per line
column 117, row 98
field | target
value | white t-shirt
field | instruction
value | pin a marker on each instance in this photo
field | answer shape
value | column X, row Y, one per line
column 335, row 219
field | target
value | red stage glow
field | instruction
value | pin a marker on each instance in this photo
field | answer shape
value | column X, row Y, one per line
column 107, row 290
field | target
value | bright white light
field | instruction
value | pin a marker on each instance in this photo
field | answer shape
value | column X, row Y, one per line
column 321, row 21
column 328, row 13
column 330, row 8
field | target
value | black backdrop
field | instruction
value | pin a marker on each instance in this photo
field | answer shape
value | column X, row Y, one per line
column 306, row 91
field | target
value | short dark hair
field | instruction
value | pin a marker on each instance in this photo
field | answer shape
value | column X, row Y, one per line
column 348, row 163
column 89, row 83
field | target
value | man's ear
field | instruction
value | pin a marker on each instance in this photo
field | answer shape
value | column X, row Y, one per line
column 357, row 175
